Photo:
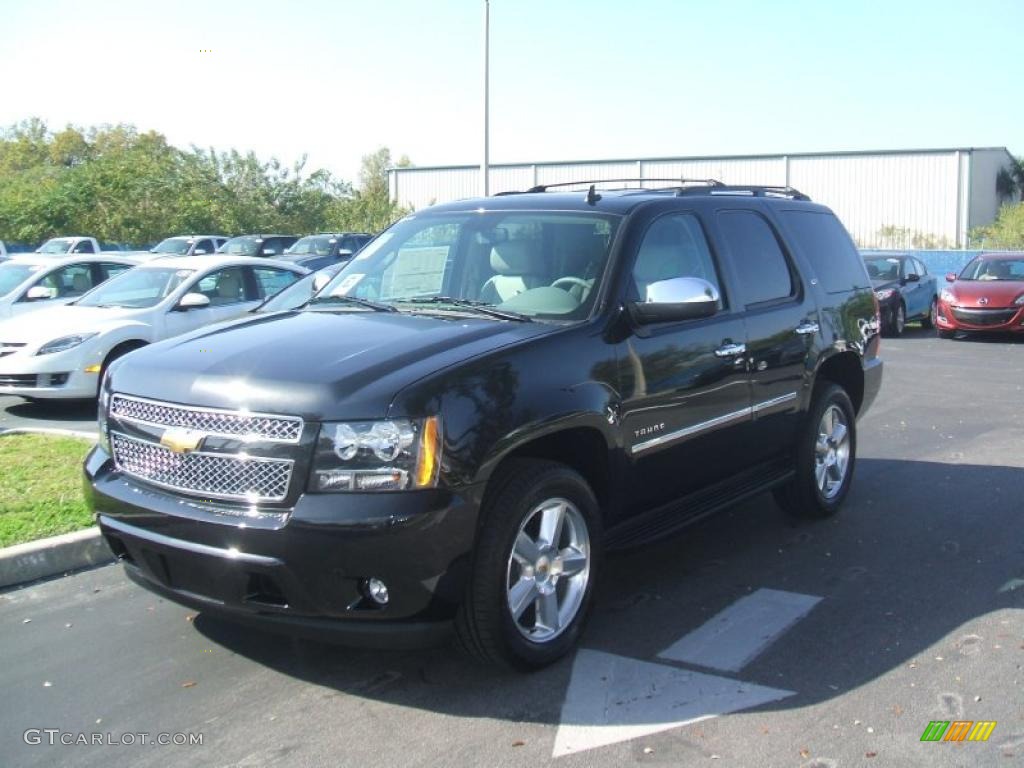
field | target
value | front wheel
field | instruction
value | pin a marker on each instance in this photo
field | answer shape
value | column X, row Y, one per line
column 825, row 457
column 536, row 558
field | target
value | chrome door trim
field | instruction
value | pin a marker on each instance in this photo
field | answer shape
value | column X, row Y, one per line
column 766, row 404
column 679, row 434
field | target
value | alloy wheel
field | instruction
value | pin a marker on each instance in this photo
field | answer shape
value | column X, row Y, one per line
column 548, row 570
column 832, row 452
column 901, row 319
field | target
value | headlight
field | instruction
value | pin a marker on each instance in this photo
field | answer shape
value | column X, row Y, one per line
column 393, row 455
column 1019, row 300
column 64, row 343
column 947, row 296
column 885, row 293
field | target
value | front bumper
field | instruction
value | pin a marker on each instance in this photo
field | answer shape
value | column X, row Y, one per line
column 998, row 320
column 301, row 570
column 60, row 376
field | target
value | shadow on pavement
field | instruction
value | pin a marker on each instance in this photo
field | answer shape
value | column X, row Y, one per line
column 919, row 550
column 54, row 410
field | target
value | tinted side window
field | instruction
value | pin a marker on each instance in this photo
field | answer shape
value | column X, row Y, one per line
column 225, row 286
column 85, row 246
column 762, row 268
column 72, row 280
column 826, row 244
column 673, row 246
column 203, row 245
column 110, row 269
column 272, row 280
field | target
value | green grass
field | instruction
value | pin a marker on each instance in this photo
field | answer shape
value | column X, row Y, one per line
column 41, row 487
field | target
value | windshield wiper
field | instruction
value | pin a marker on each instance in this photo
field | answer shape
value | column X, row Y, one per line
column 374, row 305
column 482, row 307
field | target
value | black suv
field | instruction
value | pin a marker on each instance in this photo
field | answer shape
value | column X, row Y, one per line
column 486, row 398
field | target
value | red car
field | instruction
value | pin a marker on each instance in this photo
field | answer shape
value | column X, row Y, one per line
column 987, row 296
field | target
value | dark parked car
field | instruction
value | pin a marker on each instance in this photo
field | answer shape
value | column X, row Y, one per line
column 988, row 295
column 257, row 245
column 318, row 251
column 299, row 292
column 485, row 399
column 904, row 289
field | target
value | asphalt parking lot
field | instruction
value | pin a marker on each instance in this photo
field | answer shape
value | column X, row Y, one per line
column 75, row 415
column 906, row 608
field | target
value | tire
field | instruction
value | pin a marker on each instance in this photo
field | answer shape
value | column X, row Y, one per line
column 899, row 320
column 824, row 468
column 944, row 334
column 515, row 565
column 928, row 321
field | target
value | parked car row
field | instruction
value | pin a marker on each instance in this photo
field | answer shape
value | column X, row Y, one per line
column 987, row 294
column 109, row 307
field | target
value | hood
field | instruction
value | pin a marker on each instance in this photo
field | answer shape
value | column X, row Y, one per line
column 44, row 325
column 317, row 364
column 997, row 293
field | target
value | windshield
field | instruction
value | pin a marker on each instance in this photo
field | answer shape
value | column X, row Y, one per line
column 883, row 268
column 176, row 245
column 546, row 265
column 314, row 245
column 994, row 269
column 247, row 245
column 137, row 288
column 56, row 245
column 13, row 275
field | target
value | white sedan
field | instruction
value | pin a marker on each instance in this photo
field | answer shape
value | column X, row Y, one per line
column 64, row 351
column 29, row 281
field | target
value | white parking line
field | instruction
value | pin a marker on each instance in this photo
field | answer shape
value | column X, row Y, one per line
column 734, row 637
column 614, row 698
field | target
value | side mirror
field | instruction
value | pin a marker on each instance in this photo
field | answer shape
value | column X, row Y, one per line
column 951, row 277
column 193, row 301
column 913, row 277
column 320, row 281
column 344, row 254
column 680, row 298
column 40, row 293
column 199, row 252
column 269, row 252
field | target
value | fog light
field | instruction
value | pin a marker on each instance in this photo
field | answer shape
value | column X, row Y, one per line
column 376, row 590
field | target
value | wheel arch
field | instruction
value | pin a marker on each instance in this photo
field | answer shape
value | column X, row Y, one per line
column 844, row 368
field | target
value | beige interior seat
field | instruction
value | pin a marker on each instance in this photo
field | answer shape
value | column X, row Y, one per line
column 518, row 266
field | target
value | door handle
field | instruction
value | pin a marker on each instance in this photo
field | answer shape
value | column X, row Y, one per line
column 730, row 350
column 806, row 329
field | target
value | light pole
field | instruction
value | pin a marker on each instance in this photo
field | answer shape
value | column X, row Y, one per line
column 484, row 162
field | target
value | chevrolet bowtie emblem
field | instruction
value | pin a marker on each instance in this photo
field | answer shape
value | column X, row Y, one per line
column 182, row 440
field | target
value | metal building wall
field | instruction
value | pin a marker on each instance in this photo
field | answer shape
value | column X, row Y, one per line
column 891, row 199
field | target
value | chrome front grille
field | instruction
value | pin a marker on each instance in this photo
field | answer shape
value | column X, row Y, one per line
column 211, row 421
column 216, row 475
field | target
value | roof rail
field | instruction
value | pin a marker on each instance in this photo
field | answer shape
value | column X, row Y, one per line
column 546, row 187
column 680, row 187
column 750, row 190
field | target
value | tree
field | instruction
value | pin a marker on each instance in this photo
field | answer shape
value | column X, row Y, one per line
column 119, row 184
column 1007, row 231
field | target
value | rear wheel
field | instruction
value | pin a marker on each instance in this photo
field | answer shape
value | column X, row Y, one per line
column 899, row 321
column 929, row 321
column 536, row 558
column 825, row 457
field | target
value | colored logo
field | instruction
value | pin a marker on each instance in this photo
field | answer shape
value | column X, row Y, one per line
column 182, row 440
column 958, row 730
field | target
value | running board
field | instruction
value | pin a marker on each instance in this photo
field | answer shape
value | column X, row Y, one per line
column 679, row 513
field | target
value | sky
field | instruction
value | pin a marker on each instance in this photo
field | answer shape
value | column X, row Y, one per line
column 570, row 79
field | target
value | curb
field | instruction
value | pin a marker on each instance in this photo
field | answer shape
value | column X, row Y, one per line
column 53, row 556
column 44, row 431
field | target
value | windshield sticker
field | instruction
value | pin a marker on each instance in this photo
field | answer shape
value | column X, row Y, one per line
column 346, row 285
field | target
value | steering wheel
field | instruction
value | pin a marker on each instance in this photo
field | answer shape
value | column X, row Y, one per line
column 584, row 284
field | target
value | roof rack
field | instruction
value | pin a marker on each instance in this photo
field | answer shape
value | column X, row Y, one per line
column 680, row 187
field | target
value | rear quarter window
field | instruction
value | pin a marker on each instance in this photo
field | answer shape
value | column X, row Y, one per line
column 827, row 246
